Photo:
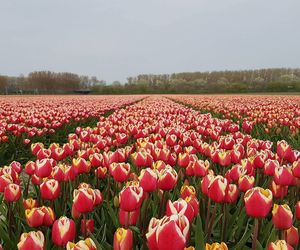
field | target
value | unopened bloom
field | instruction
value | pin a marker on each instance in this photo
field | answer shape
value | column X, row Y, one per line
column 63, row 231
column 32, row 240
column 216, row 246
column 258, row 202
column 123, row 239
column 279, row 245
column 87, row 244
column 282, row 216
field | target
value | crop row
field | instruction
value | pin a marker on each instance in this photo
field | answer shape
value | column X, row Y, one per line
column 153, row 175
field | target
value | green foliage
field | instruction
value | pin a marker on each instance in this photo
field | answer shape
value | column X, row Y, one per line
column 261, row 80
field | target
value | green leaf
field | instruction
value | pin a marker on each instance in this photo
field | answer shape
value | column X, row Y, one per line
column 244, row 238
column 265, row 232
column 135, row 229
column 112, row 215
column 259, row 246
column 272, row 236
column 199, row 237
column 96, row 242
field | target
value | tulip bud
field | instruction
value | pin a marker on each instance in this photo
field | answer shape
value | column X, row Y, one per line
column 193, row 201
column 180, row 207
column 278, row 191
column 200, row 168
column 130, row 198
column 187, row 191
column 34, row 217
column 30, row 167
column 129, row 217
column 171, row 140
column 296, row 169
column 35, row 147
column 139, row 159
column 292, row 236
column 283, row 149
column 217, row 189
column 224, row 158
column 96, row 160
column 11, row 172
column 50, row 189
column 247, row 126
column 232, row 193
column 279, row 245
column 205, row 183
column 216, row 246
column 283, row 176
column 87, row 226
column 151, row 234
column 87, row 244
column 148, row 179
column 167, row 178
column 5, row 180
column 121, row 138
column 30, row 203
column 100, row 172
column 58, row 154
column 161, row 231
column 258, row 202
column 16, row 166
column 84, row 200
column 98, row 197
column 260, row 159
column 63, row 173
column 43, row 168
column 269, row 167
column 159, row 165
column 123, row 239
column 49, row 216
column 81, row 166
column 12, row 193
column 282, row 216
column 183, row 160
column 120, row 171
column 32, row 240
column 63, row 231
column 246, row 182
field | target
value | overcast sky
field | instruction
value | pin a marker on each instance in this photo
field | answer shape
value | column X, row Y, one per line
column 115, row 39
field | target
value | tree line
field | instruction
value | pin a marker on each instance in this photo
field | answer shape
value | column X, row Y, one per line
column 47, row 82
column 261, row 80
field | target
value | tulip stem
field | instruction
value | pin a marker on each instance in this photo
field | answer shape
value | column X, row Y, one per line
column 282, row 234
column 297, row 189
column 211, row 223
column 108, row 189
column 282, row 193
column 97, row 182
column 9, row 218
column 27, row 186
column 127, row 220
column 66, row 190
column 163, row 198
column 257, row 176
column 255, row 234
column 143, row 223
column 207, row 214
column 224, row 222
column 84, row 226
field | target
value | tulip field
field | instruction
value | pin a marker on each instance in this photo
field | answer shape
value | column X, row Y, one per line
column 174, row 172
